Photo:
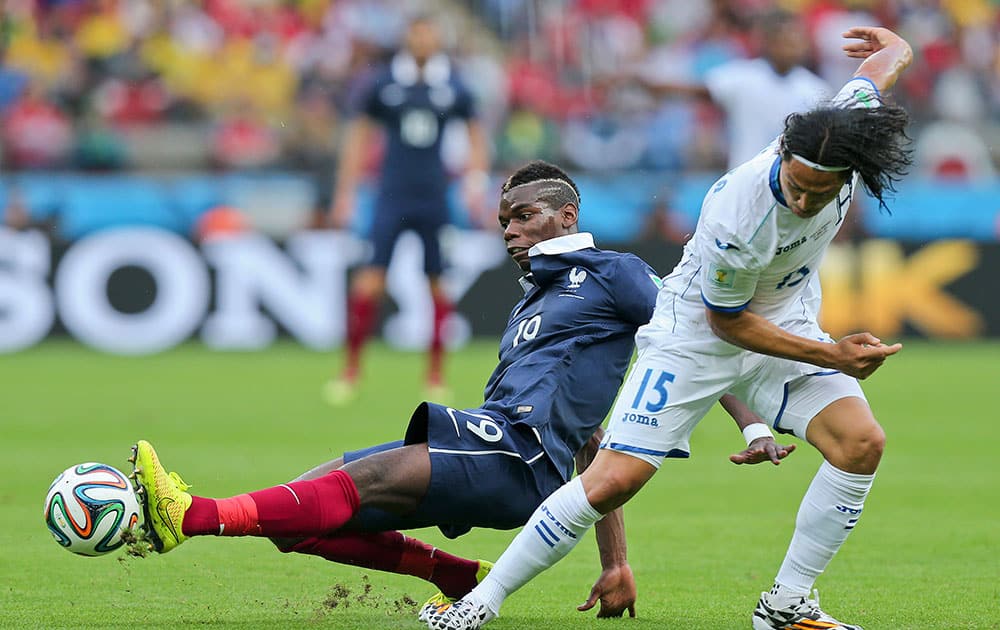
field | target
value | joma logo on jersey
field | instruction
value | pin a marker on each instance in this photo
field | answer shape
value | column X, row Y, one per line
column 790, row 246
column 638, row 418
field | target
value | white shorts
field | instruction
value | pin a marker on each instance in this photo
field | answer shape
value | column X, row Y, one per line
column 673, row 385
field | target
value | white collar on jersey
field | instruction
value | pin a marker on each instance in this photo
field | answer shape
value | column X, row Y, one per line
column 563, row 244
column 405, row 70
column 555, row 246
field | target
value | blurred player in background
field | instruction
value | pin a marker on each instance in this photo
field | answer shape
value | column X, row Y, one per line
column 562, row 358
column 757, row 94
column 732, row 318
column 411, row 101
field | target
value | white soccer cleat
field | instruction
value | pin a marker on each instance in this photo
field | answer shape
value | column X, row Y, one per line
column 802, row 614
column 465, row 614
column 439, row 599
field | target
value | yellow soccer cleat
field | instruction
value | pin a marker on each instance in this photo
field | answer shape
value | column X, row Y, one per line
column 439, row 599
column 163, row 498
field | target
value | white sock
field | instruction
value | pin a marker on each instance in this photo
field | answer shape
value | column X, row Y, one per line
column 551, row 533
column 830, row 508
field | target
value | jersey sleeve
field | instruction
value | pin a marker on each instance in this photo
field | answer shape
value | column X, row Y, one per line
column 725, row 84
column 858, row 92
column 635, row 286
column 729, row 270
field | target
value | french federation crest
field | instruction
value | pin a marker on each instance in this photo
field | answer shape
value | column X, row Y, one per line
column 576, row 277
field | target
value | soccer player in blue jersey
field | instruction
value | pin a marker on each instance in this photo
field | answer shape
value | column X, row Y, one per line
column 412, row 101
column 562, row 358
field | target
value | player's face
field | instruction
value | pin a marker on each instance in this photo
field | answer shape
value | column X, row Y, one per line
column 422, row 40
column 787, row 47
column 527, row 221
column 807, row 190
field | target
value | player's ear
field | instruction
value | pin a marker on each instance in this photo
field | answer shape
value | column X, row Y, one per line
column 568, row 215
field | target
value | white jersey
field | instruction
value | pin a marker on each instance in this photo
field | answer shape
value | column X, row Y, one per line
column 750, row 251
column 757, row 99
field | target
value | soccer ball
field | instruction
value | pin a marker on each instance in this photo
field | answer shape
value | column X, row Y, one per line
column 88, row 508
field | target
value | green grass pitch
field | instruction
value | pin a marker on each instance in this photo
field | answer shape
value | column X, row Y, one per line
column 705, row 537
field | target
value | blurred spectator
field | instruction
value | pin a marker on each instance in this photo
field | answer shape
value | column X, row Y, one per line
column 36, row 132
column 526, row 135
column 12, row 81
column 135, row 74
column 757, row 94
column 99, row 147
column 244, row 140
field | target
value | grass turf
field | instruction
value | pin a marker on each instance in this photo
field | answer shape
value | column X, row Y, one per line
column 705, row 536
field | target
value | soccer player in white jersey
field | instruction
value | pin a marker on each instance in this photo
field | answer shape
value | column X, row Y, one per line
column 734, row 317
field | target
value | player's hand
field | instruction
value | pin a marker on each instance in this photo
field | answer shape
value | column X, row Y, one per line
column 475, row 190
column 615, row 588
column 873, row 39
column 763, row 449
column 861, row 354
column 885, row 54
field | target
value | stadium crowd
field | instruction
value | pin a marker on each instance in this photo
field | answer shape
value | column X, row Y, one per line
column 185, row 86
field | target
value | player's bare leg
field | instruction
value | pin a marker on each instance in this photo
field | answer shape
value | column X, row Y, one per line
column 851, row 441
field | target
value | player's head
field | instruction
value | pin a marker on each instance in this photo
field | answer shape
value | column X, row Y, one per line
column 821, row 148
column 782, row 39
column 538, row 202
column 423, row 37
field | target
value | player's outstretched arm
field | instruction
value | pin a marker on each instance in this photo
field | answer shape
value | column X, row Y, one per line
column 886, row 55
column 615, row 587
column 856, row 355
column 761, row 446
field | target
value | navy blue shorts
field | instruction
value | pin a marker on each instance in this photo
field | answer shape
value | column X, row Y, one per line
column 485, row 472
column 388, row 224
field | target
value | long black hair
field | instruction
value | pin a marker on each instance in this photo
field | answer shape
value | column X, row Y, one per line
column 871, row 141
column 539, row 170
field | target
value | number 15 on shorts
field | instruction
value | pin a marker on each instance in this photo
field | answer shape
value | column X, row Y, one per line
column 652, row 395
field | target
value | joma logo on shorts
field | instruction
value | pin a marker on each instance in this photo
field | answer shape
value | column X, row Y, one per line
column 790, row 247
column 640, row 419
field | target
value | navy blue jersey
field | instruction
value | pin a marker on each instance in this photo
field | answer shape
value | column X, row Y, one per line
column 413, row 106
column 569, row 341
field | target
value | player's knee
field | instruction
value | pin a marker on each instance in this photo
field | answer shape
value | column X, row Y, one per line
column 863, row 450
column 612, row 489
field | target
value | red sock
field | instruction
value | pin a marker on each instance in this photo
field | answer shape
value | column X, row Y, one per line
column 297, row 509
column 442, row 309
column 395, row 553
column 361, row 313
